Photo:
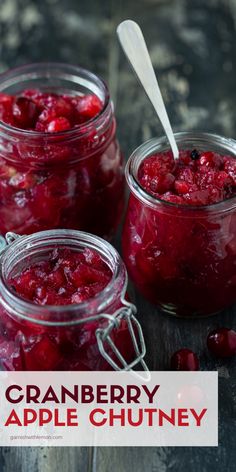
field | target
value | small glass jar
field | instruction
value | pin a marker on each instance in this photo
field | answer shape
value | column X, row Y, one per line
column 70, row 179
column 182, row 258
column 98, row 334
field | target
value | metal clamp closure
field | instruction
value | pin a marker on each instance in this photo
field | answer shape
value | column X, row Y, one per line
column 104, row 335
column 104, row 338
column 9, row 239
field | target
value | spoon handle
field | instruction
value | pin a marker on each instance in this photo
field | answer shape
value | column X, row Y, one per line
column 134, row 46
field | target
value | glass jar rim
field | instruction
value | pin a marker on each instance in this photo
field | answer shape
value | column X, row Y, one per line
column 154, row 145
column 10, row 77
column 39, row 313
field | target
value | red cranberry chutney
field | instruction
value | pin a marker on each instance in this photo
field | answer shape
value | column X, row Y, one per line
column 180, row 251
column 60, row 163
column 65, row 278
column 196, row 178
column 47, row 112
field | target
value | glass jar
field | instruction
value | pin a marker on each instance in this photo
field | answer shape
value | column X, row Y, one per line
column 98, row 334
column 182, row 258
column 71, row 179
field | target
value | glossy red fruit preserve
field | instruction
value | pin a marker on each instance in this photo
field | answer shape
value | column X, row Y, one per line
column 221, row 342
column 64, row 278
column 50, row 283
column 49, row 112
column 60, row 162
column 184, row 359
column 179, row 237
column 196, row 178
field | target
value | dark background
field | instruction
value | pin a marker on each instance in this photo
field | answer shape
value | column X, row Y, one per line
column 192, row 45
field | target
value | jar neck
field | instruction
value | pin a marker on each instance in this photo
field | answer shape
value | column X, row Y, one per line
column 61, row 79
column 27, row 249
column 185, row 140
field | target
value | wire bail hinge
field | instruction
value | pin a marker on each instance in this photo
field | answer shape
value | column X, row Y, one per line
column 104, row 337
column 9, row 239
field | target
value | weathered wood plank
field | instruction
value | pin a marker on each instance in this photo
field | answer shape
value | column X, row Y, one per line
column 65, row 459
column 42, row 459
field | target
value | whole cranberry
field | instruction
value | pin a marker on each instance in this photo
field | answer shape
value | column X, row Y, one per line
column 25, row 112
column 222, row 342
column 184, row 359
column 59, row 124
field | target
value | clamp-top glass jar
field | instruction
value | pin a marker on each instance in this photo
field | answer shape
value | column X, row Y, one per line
column 68, row 179
column 99, row 333
column 181, row 257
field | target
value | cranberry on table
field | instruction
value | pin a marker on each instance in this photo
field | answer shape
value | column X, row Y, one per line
column 184, row 359
column 221, row 342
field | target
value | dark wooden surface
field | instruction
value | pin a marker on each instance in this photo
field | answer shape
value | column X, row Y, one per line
column 193, row 45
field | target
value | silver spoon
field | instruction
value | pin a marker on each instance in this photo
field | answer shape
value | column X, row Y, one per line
column 134, row 46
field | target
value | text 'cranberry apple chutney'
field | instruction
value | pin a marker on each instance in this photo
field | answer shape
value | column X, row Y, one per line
column 58, row 289
column 179, row 237
column 60, row 163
